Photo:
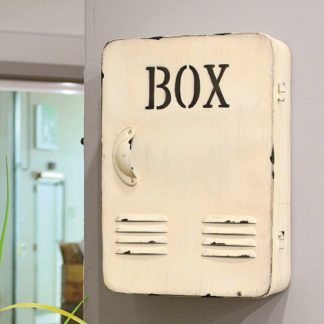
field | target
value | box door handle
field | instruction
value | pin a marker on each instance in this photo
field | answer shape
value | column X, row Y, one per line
column 122, row 156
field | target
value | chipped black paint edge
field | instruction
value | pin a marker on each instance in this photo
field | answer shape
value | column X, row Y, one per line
column 143, row 243
column 157, row 37
column 190, row 35
column 234, row 222
column 272, row 159
column 224, row 244
column 211, row 296
column 222, row 34
column 239, row 294
column 228, row 221
column 272, row 156
column 217, row 244
column 161, row 37
column 241, row 256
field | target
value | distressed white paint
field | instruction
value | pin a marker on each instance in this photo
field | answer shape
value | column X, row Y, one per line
column 193, row 163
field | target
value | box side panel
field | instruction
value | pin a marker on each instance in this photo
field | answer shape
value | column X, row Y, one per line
column 281, row 264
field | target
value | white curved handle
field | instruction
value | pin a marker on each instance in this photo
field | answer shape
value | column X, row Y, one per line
column 122, row 156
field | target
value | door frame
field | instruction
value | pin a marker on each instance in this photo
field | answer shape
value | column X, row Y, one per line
column 49, row 78
column 41, row 72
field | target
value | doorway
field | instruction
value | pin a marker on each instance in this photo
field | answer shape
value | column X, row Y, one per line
column 47, row 179
column 49, row 198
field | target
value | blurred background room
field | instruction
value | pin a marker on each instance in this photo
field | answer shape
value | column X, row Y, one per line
column 41, row 134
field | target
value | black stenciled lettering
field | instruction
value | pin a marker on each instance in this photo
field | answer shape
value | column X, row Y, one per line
column 214, row 78
column 162, row 86
column 216, row 88
column 151, row 70
column 196, row 89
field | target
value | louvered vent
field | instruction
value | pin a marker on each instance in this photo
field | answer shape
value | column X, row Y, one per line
column 141, row 234
column 229, row 236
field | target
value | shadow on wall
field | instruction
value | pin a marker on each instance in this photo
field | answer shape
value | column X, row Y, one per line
column 186, row 310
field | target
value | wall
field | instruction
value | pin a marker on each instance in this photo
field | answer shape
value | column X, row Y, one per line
column 42, row 31
column 300, row 24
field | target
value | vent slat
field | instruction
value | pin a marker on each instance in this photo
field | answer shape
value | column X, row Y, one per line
column 228, row 253
column 141, row 218
column 229, row 219
column 141, row 251
column 142, row 229
column 229, row 230
column 229, row 242
column 142, row 240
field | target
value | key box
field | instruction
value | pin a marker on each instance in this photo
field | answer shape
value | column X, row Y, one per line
column 196, row 165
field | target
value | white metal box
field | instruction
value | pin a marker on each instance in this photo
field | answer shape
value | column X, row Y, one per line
column 196, row 165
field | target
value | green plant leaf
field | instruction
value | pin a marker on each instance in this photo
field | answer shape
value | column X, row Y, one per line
column 53, row 309
column 5, row 222
column 75, row 310
column 47, row 307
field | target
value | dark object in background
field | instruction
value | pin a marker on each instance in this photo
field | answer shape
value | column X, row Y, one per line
column 72, row 279
column 51, row 165
column 72, row 253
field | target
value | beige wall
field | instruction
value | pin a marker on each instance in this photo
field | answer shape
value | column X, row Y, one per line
column 300, row 24
column 42, row 31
